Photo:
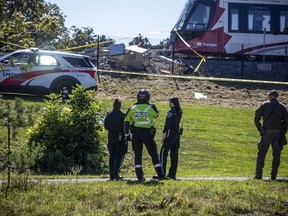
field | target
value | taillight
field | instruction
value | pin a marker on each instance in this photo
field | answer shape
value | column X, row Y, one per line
column 92, row 73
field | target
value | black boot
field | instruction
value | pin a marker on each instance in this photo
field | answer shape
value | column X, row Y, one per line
column 160, row 173
column 139, row 174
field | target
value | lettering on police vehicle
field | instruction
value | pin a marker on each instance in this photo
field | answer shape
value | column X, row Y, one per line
column 9, row 74
column 80, row 75
column 141, row 114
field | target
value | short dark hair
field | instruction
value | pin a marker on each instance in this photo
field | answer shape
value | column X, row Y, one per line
column 273, row 93
column 117, row 104
column 175, row 101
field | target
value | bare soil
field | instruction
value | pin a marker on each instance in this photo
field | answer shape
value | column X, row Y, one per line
column 228, row 94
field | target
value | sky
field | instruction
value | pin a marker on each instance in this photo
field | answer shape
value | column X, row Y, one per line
column 123, row 20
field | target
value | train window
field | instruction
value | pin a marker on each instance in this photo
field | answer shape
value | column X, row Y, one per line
column 258, row 20
column 284, row 22
column 236, row 17
column 181, row 22
column 199, row 19
column 234, row 24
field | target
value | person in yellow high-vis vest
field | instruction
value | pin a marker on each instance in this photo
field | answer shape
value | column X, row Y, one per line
column 140, row 121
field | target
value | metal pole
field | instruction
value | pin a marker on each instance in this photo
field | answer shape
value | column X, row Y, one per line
column 264, row 45
column 173, row 57
column 9, row 148
column 242, row 62
column 97, row 63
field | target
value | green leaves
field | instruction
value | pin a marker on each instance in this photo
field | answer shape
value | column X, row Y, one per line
column 29, row 23
column 69, row 133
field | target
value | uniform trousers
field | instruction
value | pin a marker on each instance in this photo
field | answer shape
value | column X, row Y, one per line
column 272, row 137
column 116, row 150
column 146, row 136
column 171, row 144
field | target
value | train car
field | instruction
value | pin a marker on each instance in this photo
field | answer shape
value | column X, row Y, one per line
column 233, row 27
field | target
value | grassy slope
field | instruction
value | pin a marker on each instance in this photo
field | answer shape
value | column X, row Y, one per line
column 150, row 198
column 217, row 141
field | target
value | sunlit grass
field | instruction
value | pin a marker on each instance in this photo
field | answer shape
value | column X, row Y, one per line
column 150, row 198
column 217, row 141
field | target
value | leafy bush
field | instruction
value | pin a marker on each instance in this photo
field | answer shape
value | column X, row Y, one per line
column 69, row 133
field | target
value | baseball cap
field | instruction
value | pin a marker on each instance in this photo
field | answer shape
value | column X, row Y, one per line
column 273, row 93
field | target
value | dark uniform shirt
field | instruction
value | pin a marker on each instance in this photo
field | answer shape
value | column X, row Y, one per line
column 114, row 122
column 172, row 122
column 276, row 120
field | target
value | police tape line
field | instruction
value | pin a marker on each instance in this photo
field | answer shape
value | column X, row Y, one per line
column 203, row 59
column 194, row 77
column 88, row 45
column 66, row 49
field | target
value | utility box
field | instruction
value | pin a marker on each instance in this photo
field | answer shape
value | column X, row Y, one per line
column 117, row 49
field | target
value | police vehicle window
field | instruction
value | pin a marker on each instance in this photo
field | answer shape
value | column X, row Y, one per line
column 284, row 22
column 88, row 62
column 199, row 19
column 77, row 62
column 234, row 25
column 258, row 19
column 20, row 58
column 46, row 60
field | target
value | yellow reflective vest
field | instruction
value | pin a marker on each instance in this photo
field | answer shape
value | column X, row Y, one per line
column 142, row 115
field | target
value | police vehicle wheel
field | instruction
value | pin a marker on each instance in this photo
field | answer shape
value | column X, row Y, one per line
column 64, row 88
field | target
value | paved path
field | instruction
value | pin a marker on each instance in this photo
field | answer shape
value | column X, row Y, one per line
column 81, row 180
column 86, row 180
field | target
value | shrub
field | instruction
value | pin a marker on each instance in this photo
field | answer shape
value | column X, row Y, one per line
column 69, row 134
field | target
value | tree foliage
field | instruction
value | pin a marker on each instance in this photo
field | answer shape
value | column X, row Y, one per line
column 36, row 23
column 29, row 23
column 77, row 37
column 141, row 42
column 69, row 134
column 164, row 44
column 144, row 42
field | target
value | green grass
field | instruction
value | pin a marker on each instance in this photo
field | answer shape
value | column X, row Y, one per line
column 149, row 198
column 217, row 141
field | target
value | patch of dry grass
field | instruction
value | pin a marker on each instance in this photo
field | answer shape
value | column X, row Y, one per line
column 228, row 94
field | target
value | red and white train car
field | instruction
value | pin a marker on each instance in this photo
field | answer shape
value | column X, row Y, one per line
column 233, row 27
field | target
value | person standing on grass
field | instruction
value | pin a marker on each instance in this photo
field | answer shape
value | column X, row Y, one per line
column 171, row 137
column 114, row 123
column 275, row 121
column 140, row 121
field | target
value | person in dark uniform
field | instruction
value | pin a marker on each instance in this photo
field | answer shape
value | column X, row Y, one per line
column 114, row 123
column 275, row 121
column 140, row 118
column 171, row 137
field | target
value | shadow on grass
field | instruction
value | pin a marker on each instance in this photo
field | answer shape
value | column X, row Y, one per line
column 278, row 180
column 25, row 97
column 146, row 183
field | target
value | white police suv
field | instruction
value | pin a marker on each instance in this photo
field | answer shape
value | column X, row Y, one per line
column 43, row 72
